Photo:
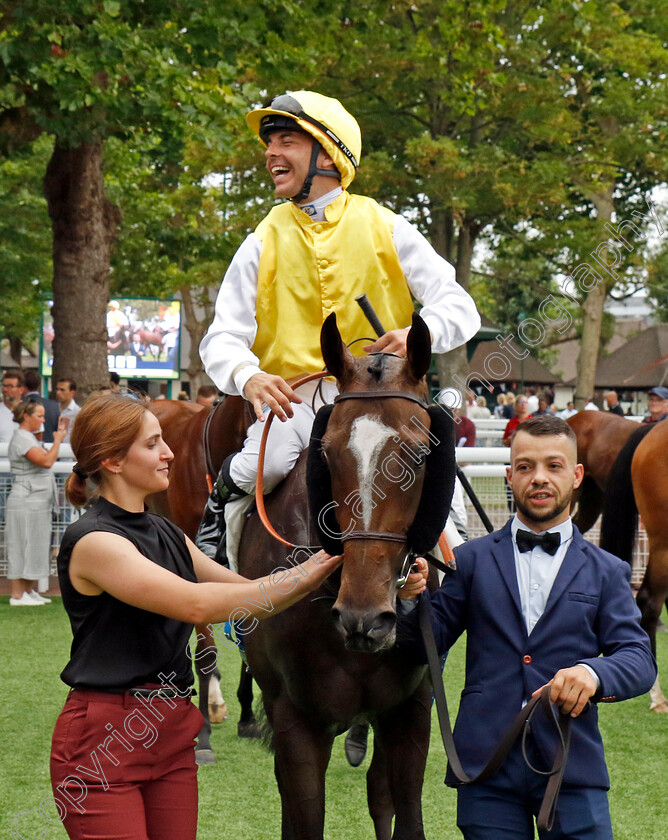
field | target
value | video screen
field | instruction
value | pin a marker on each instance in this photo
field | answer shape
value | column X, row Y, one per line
column 143, row 338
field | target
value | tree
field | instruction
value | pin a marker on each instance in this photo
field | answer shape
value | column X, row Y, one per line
column 83, row 72
column 25, row 245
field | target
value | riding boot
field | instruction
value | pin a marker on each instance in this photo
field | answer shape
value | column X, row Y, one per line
column 355, row 743
column 211, row 533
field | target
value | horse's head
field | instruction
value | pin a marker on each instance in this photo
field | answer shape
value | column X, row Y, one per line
column 381, row 472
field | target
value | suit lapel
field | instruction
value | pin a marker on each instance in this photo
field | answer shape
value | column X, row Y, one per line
column 504, row 556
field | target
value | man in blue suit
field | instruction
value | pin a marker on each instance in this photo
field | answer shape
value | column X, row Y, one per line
column 541, row 606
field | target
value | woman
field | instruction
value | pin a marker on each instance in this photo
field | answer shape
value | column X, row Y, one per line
column 500, row 405
column 133, row 585
column 480, row 410
column 29, row 504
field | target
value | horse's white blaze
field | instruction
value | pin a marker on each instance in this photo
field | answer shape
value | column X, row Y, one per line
column 367, row 439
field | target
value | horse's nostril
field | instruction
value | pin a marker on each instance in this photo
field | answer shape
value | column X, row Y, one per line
column 376, row 626
column 383, row 624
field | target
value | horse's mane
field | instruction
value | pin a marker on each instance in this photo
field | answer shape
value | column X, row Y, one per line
column 376, row 366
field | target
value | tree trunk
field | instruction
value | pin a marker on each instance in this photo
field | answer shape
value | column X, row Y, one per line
column 84, row 226
column 455, row 363
column 590, row 343
column 196, row 330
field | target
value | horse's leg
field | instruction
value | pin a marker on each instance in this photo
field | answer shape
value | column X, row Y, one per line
column 404, row 736
column 217, row 705
column 206, row 656
column 590, row 504
column 650, row 602
column 302, row 753
column 248, row 727
column 378, row 793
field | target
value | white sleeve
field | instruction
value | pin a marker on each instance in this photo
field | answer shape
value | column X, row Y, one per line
column 447, row 308
column 228, row 341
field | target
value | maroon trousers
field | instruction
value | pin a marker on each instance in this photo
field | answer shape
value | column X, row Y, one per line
column 123, row 767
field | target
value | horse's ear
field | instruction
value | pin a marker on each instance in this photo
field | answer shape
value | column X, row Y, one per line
column 418, row 348
column 338, row 359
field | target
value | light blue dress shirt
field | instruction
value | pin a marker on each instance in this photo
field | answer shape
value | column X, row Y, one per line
column 536, row 572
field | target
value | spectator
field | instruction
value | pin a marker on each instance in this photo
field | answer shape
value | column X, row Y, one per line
column 51, row 410
column 12, row 391
column 542, row 408
column 532, row 400
column 29, row 504
column 521, row 413
column 206, row 395
column 614, row 406
column 509, row 408
column 658, row 405
column 114, row 383
column 569, row 411
column 590, row 405
column 480, row 410
column 500, row 405
column 183, row 395
column 66, row 391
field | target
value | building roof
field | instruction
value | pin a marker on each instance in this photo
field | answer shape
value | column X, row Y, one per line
column 642, row 362
column 529, row 370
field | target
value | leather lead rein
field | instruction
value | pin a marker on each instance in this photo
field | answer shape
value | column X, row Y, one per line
column 518, row 728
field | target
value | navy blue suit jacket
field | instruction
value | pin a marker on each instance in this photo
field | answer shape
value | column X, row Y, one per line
column 590, row 611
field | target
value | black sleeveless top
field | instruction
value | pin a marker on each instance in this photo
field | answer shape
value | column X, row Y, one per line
column 115, row 645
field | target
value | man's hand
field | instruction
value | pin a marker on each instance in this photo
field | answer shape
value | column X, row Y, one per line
column 393, row 341
column 272, row 390
column 417, row 581
column 571, row 688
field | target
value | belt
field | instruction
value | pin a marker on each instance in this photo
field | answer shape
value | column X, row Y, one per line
column 161, row 691
column 167, row 693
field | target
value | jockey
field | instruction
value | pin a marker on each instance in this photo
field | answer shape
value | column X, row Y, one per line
column 310, row 256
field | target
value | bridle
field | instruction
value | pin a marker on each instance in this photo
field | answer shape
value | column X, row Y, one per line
column 388, row 536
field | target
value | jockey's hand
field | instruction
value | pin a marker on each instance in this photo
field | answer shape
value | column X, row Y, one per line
column 571, row 688
column 272, row 390
column 417, row 581
column 393, row 341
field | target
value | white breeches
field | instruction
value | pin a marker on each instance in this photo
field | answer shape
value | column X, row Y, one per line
column 285, row 443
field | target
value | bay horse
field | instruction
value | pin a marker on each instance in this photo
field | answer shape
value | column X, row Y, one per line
column 201, row 438
column 152, row 340
column 600, row 436
column 331, row 659
column 638, row 484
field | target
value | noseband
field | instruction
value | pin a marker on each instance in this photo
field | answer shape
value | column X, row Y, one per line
column 409, row 559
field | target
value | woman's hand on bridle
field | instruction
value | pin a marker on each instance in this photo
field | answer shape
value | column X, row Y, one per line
column 417, row 581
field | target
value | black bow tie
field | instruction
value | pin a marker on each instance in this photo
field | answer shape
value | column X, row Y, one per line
column 549, row 542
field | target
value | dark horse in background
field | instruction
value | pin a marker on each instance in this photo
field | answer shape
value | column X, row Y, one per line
column 638, row 484
column 201, row 439
column 600, row 437
column 331, row 659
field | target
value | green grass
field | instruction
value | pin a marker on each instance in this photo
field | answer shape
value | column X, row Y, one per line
column 238, row 797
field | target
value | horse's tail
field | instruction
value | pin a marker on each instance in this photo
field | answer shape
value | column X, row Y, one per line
column 620, row 512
